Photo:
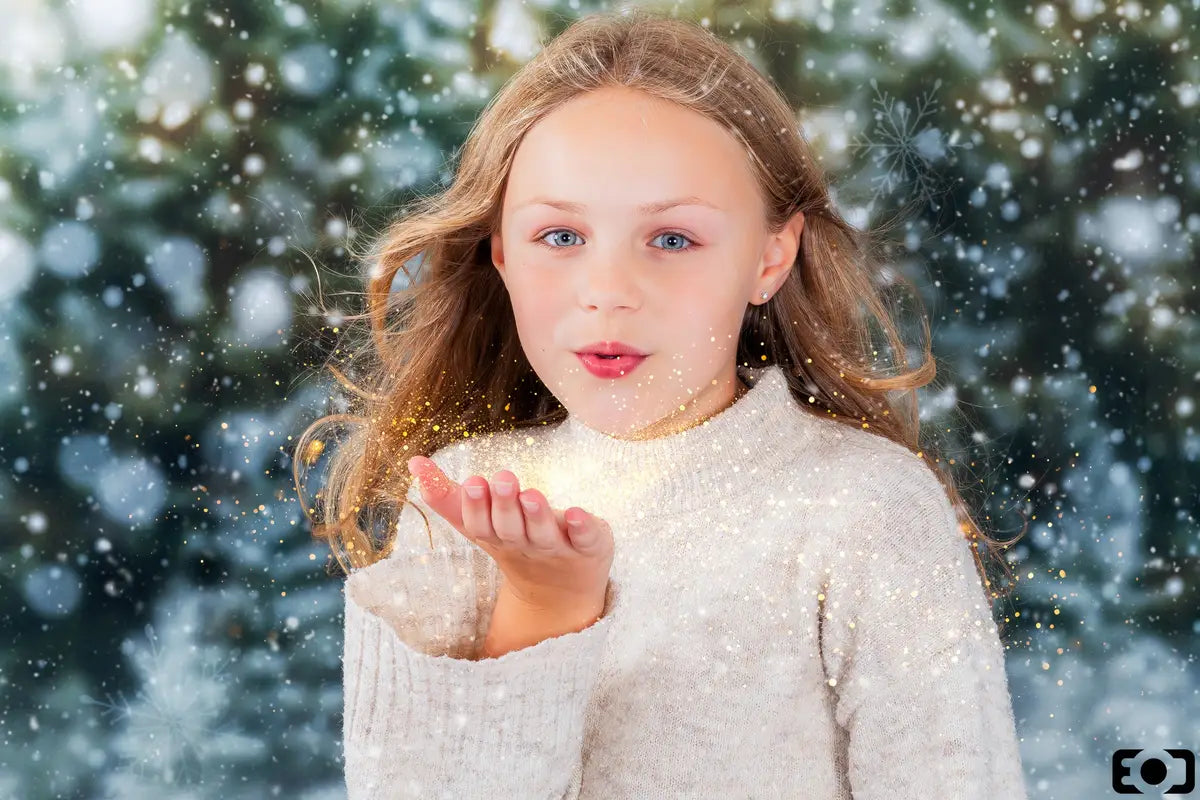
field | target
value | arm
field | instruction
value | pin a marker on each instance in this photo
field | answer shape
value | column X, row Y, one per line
column 913, row 658
column 422, row 717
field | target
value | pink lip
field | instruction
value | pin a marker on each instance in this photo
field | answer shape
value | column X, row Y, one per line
column 611, row 349
column 610, row 367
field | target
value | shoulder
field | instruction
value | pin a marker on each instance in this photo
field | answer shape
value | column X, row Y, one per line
column 889, row 494
column 877, row 470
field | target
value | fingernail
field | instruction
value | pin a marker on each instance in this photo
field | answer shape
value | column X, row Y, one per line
column 503, row 488
column 575, row 522
column 529, row 505
column 474, row 492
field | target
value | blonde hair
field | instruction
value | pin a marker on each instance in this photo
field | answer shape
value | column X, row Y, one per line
column 443, row 361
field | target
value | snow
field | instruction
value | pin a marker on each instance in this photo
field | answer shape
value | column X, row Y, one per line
column 308, row 70
column 131, row 490
column 33, row 40
column 179, row 267
column 16, row 264
column 111, row 24
column 179, row 80
column 513, row 33
column 1136, row 229
column 52, row 590
column 262, row 307
column 69, row 249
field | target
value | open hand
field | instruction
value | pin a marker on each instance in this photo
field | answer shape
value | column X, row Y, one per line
column 548, row 561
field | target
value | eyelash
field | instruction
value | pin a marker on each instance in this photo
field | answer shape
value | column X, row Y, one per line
column 539, row 240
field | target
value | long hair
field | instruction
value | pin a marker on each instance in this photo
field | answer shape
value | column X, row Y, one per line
column 443, row 361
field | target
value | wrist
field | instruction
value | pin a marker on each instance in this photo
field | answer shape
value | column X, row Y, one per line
column 517, row 624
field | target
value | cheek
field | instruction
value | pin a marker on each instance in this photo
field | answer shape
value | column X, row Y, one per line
column 713, row 295
column 535, row 303
column 704, row 311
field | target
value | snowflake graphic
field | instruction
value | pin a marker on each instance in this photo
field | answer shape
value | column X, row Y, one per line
column 171, row 734
column 905, row 148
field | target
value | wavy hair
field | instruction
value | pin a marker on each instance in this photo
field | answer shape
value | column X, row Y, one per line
column 443, row 361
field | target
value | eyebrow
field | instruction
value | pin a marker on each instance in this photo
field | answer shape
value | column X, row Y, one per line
column 645, row 208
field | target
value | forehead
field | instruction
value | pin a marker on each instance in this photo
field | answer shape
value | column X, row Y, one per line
column 621, row 148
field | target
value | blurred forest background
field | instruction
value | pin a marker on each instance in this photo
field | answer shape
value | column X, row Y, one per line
column 176, row 177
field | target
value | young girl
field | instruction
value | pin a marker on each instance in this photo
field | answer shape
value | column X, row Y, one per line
column 640, row 312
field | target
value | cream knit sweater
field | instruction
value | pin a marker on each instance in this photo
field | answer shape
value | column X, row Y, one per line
column 792, row 612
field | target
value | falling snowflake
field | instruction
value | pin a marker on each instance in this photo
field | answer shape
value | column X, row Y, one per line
column 905, row 147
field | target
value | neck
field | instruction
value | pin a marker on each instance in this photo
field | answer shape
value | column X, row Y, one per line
column 761, row 429
column 669, row 426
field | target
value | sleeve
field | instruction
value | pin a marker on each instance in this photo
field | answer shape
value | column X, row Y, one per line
column 421, row 717
column 913, row 659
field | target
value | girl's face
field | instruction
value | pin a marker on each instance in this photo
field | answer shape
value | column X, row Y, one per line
column 584, row 262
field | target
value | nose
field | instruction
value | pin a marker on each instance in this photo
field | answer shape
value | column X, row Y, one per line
column 606, row 283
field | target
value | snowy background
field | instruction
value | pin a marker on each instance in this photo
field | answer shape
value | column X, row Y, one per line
column 175, row 180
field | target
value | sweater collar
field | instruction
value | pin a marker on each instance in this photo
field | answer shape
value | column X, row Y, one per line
column 721, row 457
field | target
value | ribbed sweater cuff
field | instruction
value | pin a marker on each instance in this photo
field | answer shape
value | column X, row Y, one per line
column 508, row 726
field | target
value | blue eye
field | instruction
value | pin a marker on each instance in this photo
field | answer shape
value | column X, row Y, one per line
column 542, row 240
column 673, row 234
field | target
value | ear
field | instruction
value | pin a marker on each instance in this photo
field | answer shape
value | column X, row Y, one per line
column 497, row 247
column 778, row 257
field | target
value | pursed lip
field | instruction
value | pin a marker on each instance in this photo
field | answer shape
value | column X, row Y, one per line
column 610, row 349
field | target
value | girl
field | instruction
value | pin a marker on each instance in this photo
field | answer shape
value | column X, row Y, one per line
column 641, row 312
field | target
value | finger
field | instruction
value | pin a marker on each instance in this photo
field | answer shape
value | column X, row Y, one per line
column 476, row 511
column 437, row 490
column 508, row 520
column 585, row 531
column 542, row 528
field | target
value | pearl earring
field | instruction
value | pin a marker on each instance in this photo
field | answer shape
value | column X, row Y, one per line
column 765, row 295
